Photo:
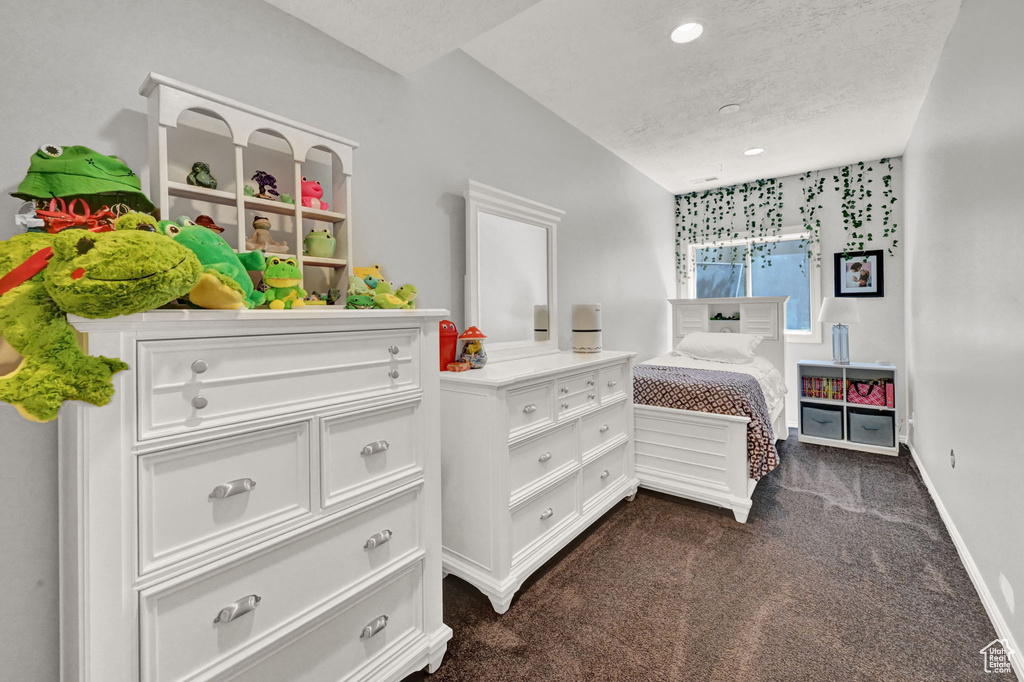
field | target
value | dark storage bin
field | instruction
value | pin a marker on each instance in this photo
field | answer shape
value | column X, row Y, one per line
column 822, row 421
column 871, row 427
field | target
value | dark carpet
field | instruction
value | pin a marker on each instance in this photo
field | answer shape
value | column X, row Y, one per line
column 844, row 571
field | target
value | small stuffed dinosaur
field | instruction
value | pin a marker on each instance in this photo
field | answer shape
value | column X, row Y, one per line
column 92, row 274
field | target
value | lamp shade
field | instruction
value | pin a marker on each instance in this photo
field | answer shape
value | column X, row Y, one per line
column 839, row 310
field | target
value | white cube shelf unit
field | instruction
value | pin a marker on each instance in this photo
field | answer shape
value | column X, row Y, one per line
column 188, row 124
column 837, row 422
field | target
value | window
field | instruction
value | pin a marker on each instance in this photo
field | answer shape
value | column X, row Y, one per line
column 739, row 268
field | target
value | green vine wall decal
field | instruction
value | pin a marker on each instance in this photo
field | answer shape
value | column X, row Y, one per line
column 754, row 210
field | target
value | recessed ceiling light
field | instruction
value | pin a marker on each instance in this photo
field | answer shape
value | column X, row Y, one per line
column 753, row 152
column 729, row 109
column 687, row 32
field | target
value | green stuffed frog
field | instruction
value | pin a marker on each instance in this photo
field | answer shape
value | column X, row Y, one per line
column 92, row 274
column 283, row 278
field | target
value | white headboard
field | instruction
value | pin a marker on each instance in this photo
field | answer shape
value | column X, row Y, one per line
column 764, row 315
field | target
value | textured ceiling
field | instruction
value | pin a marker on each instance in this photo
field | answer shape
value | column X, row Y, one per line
column 820, row 82
column 403, row 35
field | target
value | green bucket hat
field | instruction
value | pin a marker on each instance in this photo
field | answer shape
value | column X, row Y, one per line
column 61, row 172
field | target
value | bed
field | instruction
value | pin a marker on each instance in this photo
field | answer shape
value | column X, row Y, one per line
column 696, row 453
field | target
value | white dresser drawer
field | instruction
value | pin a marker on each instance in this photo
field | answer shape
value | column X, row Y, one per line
column 613, row 382
column 179, row 636
column 533, row 459
column 361, row 449
column 577, row 383
column 195, row 498
column 603, row 473
column 602, row 427
column 336, row 648
column 529, row 408
column 543, row 515
column 198, row 383
column 569, row 406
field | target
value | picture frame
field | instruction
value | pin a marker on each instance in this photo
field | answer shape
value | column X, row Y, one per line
column 860, row 274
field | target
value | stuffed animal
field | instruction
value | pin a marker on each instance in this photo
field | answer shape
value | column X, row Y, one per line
column 372, row 271
column 283, row 279
column 407, row 292
column 312, row 195
column 92, row 274
column 224, row 283
column 357, row 287
column 360, row 301
column 384, row 296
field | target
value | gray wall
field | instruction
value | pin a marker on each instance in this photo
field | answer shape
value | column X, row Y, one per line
column 71, row 75
column 964, row 325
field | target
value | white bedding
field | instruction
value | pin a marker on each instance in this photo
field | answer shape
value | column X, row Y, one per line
column 772, row 384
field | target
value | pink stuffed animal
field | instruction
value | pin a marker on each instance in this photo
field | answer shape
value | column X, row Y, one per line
column 312, row 193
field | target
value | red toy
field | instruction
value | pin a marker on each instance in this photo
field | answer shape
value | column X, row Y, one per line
column 449, row 343
column 312, row 194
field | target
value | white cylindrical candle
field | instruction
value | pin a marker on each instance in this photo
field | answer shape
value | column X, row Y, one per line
column 540, row 323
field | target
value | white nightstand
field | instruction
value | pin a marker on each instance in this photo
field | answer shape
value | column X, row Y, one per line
column 827, row 417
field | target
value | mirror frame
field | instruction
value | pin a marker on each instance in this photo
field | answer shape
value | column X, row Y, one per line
column 482, row 198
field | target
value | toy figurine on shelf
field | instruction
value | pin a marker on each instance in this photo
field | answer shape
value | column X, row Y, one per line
column 267, row 183
column 249, row 191
column 207, row 222
column 201, row 177
column 287, row 199
column 261, row 239
column 284, row 280
column 448, row 343
column 473, row 348
column 319, row 243
column 312, row 195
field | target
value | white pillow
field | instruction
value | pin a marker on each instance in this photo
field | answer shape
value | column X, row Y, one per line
column 719, row 347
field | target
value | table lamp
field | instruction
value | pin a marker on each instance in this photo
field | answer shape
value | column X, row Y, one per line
column 839, row 310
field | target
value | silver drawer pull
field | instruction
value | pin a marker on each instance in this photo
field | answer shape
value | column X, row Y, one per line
column 393, row 350
column 547, row 514
column 612, row 383
column 870, row 428
column 565, row 406
column 591, row 396
column 590, row 382
column 378, row 539
column 604, row 427
column 564, row 389
column 374, row 448
column 236, row 487
column 374, row 626
column 393, row 374
column 199, row 402
column 530, row 409
column 605, row 473
column 200, row 366
column 238, row 609
column 545, row 457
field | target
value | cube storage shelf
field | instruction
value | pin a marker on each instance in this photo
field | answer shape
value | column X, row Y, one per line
column 842, row 424
column 187, row 124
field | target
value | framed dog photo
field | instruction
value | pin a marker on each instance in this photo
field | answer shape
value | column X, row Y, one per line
column 859, row 273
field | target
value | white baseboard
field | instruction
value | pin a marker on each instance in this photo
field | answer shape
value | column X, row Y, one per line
column 987, row 600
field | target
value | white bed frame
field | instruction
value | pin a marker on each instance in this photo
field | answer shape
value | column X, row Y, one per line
column 699, row 455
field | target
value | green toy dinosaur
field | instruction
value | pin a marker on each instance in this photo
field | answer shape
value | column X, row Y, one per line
column 283, row 279
column 92, row 274
column 225, row 283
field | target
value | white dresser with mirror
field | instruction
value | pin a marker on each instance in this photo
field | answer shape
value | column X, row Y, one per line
column 538, row 444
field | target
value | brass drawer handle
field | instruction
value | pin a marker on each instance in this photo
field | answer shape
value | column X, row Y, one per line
column 393, row 350
column 238, row 609
column 236, row 487
column 200, row 366
column 374, row 448
column 199, row 402
column 378, row 539
column 374, row 626
column 547, row 514
column 605, row 473
column 604, row 427
column 393, row 374
column 545, row 457
column 530, row 409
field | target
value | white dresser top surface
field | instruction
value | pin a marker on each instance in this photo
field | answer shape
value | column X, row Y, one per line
column 184, row 316
column 511, row 371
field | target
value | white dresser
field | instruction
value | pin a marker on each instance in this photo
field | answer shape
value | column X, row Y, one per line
column 260, row 500
column 533, row 451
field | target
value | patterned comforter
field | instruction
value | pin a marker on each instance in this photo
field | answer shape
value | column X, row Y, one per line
column 705, row 390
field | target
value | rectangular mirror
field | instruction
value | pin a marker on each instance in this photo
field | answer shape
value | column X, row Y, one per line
column 510, row 279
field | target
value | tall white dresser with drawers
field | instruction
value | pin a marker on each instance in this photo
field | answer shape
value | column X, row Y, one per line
column 533, row 452
column 260, row 500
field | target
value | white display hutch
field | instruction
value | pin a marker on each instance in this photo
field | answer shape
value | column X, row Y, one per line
column 188, row 124
column 865, row 420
